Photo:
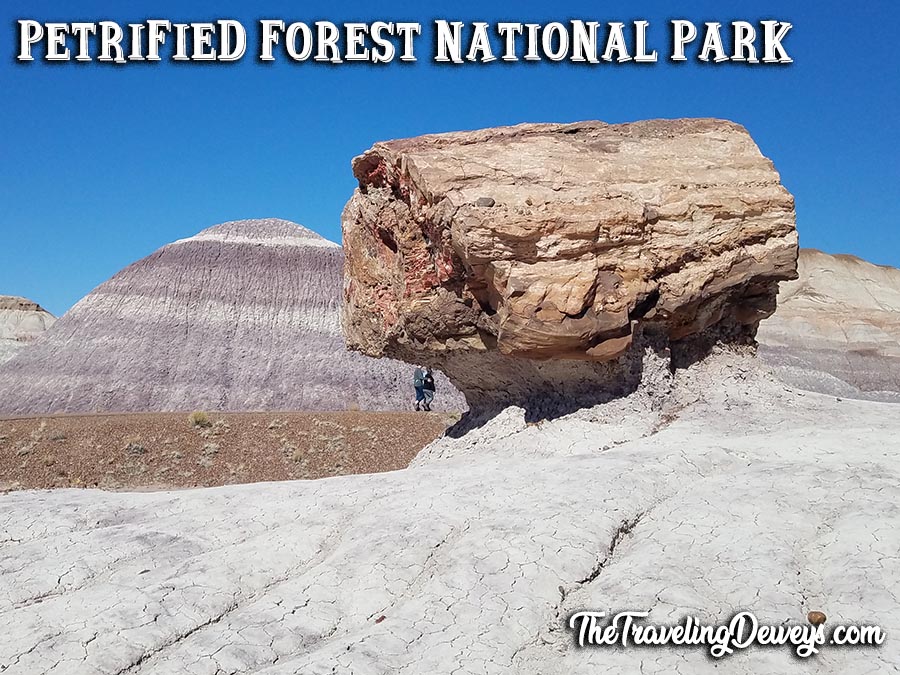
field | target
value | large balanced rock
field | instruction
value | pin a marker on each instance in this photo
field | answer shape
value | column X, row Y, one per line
column 242, row 316
column 837, row 328
column 531, row 259
column 21, row 322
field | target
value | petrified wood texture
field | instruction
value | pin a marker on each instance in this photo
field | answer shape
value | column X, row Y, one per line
column 550, row 241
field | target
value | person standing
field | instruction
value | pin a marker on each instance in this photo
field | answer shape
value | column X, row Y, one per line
column 419, row 385
column 428, row 388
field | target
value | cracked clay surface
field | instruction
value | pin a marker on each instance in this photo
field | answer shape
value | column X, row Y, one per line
column 750, row 497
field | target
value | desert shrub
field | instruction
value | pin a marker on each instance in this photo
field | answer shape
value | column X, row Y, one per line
column 133, row 446
column 199, row 419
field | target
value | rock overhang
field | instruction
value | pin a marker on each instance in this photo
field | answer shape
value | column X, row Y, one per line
column 563, row 241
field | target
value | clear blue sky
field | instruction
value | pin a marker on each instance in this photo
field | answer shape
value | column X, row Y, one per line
column 102, row 165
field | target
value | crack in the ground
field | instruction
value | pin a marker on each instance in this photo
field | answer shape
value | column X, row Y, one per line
column 41, row 642
column 625, row 528
column 454, row 533
column 131, row 667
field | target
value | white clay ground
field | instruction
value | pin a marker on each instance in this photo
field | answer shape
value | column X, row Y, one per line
column 727, row 492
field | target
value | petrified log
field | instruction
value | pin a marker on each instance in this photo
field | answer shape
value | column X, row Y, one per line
column 561, row 242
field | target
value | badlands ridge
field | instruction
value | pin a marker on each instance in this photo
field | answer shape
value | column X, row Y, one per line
column 242, row 316
column 21, row 322
column 837, row 328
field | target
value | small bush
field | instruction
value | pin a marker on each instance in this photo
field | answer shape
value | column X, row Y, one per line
column 134, row 447
column 199, row 419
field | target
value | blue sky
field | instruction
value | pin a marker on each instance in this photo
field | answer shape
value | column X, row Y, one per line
column 104, row 164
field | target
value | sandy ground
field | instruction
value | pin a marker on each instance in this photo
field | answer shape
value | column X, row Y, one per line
column 167, row 450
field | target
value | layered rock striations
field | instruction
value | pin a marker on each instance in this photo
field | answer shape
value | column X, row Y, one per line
column 537, row 260
column 837, row 328
column 242, row 316
column 21, row 322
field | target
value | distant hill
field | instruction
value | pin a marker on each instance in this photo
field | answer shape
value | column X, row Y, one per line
column 837, row 328
column 21, row 321
column 242, row 316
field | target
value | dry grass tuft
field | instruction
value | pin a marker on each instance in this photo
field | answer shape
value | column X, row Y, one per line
column 199, row 419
